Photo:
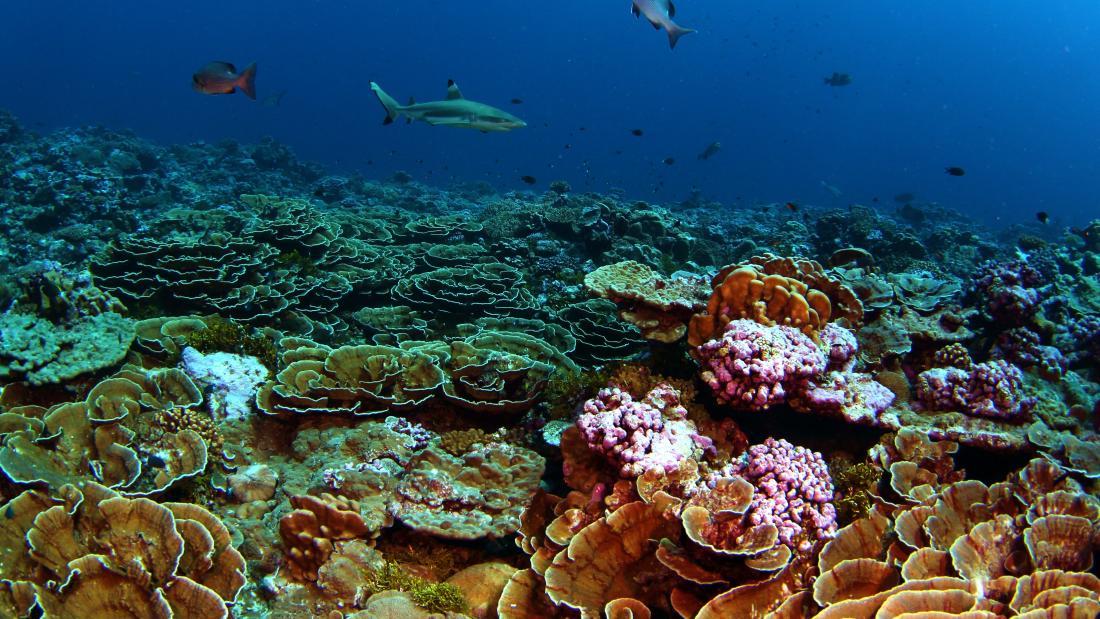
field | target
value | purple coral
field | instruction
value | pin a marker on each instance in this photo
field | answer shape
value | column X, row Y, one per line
column 794, row 492
column 639, row 435
column 993, row 389
column 840, row 346
column 856, row 397
column 1023, row 347
column 1009, row 290
column 754, row 366
column 1079, row 338
column 416, row 436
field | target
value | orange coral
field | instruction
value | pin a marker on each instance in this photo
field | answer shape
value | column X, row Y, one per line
column 774, row 291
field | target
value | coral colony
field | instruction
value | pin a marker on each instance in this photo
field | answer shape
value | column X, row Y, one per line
column 234, row 385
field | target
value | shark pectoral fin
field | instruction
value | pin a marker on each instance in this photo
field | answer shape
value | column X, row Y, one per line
column 670, row 8
column 656, row 25
column 452, row 91
column 388, row 120
column 634, row 10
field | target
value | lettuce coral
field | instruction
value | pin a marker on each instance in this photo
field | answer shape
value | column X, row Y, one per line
column 41, row 352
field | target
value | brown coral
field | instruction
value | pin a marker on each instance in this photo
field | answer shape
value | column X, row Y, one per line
column 114, row 554
column 481, row 494
column 310, row 531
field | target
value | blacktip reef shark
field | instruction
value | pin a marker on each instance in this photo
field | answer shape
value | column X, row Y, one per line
column 660, row 14
column 454, row 111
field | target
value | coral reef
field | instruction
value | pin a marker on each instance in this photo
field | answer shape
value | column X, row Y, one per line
column 250, row 389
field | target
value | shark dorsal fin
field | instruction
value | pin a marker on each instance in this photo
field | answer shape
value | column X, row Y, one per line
column 452, row 91
column 671, row 8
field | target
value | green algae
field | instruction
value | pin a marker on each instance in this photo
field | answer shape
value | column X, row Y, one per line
column 436, row 597
column 222, row 335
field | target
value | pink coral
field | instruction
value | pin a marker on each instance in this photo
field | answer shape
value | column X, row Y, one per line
column 840, row 345
column 639, row 435
column 856, row 397
column 1023, row 347
column 794, row 492
column 754, row 366
column 993, row 389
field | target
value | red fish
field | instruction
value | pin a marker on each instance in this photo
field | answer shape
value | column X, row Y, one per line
column 221, row 78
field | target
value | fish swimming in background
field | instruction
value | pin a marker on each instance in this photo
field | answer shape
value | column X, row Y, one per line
column 273, row 100
column 834, row 191
column 221, row 78
column 710, row 151
column 838, row 79
column 454, row 111
column 1043, row 217
column 660, row 14
column 955, row 171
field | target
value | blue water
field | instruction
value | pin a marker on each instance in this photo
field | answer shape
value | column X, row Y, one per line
column 1007, row 89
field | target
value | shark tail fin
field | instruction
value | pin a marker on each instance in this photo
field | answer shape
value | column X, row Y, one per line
column 674, row 34
column 388, row 102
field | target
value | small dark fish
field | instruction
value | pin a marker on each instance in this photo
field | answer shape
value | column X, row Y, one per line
column 874, row 199
column 710, row 151
column 517, row 101
column 221, row 78
column 838, row 79
column 568, row 146
column 582, row 128
column 637, row 132
column 955, row 171
column 792, row 207
column 530, row 180
column 905, row 196
column 668, row 161
column 1042, row 216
